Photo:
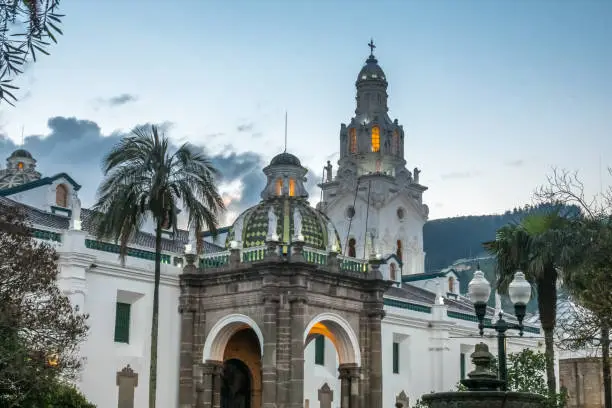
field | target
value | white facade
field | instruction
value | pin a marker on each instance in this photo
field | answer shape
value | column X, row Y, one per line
column 431, row 327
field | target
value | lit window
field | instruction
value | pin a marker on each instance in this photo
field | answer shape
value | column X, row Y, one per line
column 291, row 187
column 279, row 186
column 20, row 165
column 353, row 141
column 399, row 250
column 61, row 196
column 375, row 138
column 396, row 144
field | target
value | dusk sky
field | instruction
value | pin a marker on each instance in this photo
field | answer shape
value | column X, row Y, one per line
column 491, row 94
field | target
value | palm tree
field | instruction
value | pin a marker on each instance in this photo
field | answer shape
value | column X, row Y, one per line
column 538, row 247
column 144, row 180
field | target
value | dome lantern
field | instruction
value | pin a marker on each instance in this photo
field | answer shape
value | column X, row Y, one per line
column 284, row 212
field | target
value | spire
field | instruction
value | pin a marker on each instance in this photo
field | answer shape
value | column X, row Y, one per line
column 285, row 151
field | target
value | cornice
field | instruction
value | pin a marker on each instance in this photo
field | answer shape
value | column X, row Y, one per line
column 137, row 274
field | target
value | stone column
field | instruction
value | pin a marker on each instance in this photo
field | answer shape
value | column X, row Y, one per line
column 345, row 386
column 127, row 381
column 350, row 376
column 269, row 378
column 355, row 379
column 186, row 380
column 296, row 391
column 211, row 385
column 375, row 314
column 206, row 396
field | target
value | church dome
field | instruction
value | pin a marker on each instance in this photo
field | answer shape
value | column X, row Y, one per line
column 287, row 197
column 285, row 159
column 371, row 71
column 21, row 153
column 251, row 227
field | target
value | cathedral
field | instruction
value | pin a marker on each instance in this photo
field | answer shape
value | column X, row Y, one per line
column 293, row 306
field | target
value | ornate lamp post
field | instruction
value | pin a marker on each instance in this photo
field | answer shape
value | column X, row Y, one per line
column 520, row 293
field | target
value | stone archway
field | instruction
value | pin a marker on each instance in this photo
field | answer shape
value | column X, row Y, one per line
column 232, row 368
column 335, row 328
column 223, row 330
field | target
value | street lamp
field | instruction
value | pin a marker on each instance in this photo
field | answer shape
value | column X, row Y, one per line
column 519, row 290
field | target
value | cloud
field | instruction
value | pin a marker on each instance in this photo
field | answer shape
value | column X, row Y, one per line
column 245, row 127
column 117, row 100
column 77, row 147
column 460, row 175
column 515, row 163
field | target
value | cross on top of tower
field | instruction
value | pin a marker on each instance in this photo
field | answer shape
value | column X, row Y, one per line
column 372, row 46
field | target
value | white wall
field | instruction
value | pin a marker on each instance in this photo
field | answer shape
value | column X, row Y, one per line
column 96, row 290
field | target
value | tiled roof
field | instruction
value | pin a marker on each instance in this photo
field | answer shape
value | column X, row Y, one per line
column 39, row 217
column 43, row 219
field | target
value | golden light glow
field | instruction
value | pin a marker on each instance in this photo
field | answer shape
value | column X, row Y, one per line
column 291, row 187
column 375, row 138
column 279, row 186
column 320, row 328
column 353, row 141
column 20, row 165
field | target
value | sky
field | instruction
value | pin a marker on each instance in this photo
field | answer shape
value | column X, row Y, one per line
column 492, row 94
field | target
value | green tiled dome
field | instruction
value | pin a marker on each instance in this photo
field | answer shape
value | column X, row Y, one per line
column 255, row 224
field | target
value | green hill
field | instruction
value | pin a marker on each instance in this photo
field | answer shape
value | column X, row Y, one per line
column 447, row 239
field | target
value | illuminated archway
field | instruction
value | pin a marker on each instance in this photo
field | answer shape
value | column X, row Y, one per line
column 339, row 332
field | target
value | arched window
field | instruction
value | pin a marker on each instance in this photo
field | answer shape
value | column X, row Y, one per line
column 352, row 252
column 392, row 272
column 375, row 138
column 396, row 143
column 398, row 251
column 353, row 141
column 61, row 196
column 20, row 166
column 451, row 284
column 291, row 187
column 279, row 186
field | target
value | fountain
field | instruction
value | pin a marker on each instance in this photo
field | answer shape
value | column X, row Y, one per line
column 483, row 389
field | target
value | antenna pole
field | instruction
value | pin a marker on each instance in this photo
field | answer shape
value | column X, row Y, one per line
column 285, row 131
column 22, row 139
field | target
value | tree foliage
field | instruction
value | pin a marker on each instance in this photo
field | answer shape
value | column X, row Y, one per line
column 586, row 324
column 144, row 181
column 39, row 330
column 27, row 29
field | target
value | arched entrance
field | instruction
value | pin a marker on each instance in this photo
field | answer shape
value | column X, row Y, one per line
column 234, row 345
column 332, row 379
column 236, row 388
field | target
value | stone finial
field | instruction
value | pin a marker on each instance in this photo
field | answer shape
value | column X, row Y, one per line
column 326, row 396
column 127, row 381
column 482, row 378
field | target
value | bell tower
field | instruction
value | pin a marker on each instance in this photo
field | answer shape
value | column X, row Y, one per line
column 375, row 202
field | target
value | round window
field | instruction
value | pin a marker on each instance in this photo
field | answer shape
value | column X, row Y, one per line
column 350, row 212
column 400, row 213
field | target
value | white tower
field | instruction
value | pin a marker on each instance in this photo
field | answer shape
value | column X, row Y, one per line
column 375, row 202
